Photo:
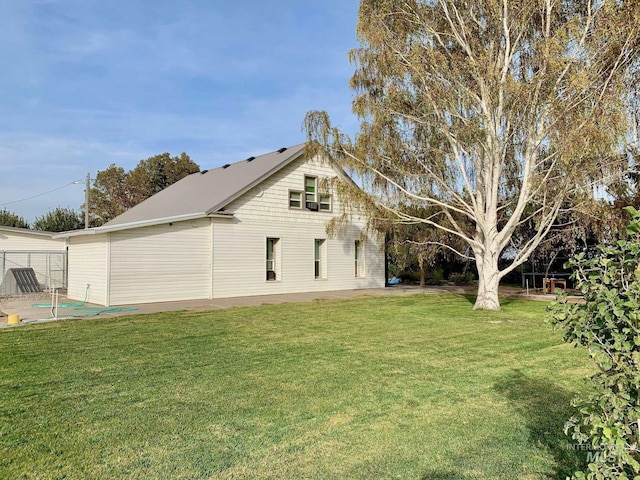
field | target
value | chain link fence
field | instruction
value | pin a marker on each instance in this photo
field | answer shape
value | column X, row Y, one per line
column 50, row 268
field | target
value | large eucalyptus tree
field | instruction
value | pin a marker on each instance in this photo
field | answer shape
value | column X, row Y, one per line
column 490, row 112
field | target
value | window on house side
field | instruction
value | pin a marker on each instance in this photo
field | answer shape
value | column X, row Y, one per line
column 295, row 199
column 310, row 189
column 357, row 257
column 325, row 202
column 271, row 259
column 318, row 254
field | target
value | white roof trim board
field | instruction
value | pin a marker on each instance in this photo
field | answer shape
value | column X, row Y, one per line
column 144, row 223
column 26, row 231
column 199, row 195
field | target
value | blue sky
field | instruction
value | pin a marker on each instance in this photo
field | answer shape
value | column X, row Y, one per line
column 88, row 83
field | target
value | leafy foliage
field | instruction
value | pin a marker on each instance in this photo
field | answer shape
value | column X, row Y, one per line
column 109, row 197
column 9, row 219
column 417, row 246
column 487, row 114
column 584, row 223
column 625, row 190
column 608, row 325
column 116, row 190
column 59, row 220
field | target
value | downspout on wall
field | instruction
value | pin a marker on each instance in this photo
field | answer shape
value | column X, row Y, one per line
column 211, row 259
column 107, row 289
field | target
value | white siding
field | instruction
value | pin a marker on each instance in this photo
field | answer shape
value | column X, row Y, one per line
column 174, row 261
column 240, row 243
column 160, row 263
column 88, row 268
column 18, row 241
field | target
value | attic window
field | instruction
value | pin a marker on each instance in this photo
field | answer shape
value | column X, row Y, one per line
column 295, row 199
column 310, row 189
column 310, row 198
column 282, row 149
column 325, row 202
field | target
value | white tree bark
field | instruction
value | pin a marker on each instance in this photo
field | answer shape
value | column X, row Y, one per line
column 494, row 128
column 488, row 281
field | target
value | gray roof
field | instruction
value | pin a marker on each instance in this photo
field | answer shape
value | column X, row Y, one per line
column 208, row 191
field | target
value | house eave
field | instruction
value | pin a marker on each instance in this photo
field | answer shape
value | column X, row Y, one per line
column 26, row 231
column 140, row 224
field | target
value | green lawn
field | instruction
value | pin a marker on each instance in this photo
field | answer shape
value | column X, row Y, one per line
column 413, row 387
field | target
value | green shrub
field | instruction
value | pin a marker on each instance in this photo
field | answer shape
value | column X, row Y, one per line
column 409, row 277
column 434, row 276
column 608, row 325
column 461, row 278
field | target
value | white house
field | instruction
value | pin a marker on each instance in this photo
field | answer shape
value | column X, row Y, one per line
column 254, row 227
column 24, row 248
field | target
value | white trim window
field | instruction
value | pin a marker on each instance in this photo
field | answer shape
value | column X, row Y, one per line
column 357, row 258
column 295, row 199
column 272, row 258
column 325, row 202
column 319, row 259
column 310, row 189
column 310, row 198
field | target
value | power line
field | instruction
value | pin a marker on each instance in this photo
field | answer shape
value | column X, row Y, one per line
column 75, row 182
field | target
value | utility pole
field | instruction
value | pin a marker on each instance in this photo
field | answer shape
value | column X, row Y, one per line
column 86, row 201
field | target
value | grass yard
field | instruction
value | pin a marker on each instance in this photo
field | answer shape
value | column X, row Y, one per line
column 410, row 387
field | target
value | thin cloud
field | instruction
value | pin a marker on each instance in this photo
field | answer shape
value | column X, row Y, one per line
column 87, row 83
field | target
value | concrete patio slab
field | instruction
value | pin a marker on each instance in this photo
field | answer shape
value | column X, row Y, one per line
column 24, row 305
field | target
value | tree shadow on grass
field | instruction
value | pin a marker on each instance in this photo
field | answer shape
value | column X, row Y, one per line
column 546, row 407
column 470, row 298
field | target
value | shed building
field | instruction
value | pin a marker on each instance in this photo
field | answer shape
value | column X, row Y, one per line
column 24, row 248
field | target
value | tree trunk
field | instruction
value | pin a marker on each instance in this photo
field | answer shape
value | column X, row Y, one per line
column 488, row 282
column 422, row 274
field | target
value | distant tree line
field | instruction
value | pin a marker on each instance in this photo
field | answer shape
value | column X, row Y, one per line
column 114, row 191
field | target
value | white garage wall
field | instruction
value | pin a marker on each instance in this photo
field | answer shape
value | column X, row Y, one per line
column 88, row 268
column 160, row 263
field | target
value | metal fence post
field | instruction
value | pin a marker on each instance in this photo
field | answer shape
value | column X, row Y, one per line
column 4, row 263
